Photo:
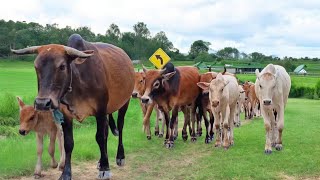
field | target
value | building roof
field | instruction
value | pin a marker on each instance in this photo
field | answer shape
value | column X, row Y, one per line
column 299, row 68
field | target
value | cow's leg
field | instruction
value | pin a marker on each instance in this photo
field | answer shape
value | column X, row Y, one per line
column 156, row 129
column 172, row 125
column 226, row 126
column 274, row 128
column 113, row 126
column 120, row 154
column 61, row 146
column 280, row 126
column 198, row 120
column 101, row 138
column 217, row 119
column 231, row 125
column 51, row 148
column 146, row 120
column 186, row 114
column 163, row 124
column 206, row 123
column 176, row 128
column 193, row 120
column 167, row 120
column 267, row 125
column 211, row 133
column 68, row 146
column 37, row 172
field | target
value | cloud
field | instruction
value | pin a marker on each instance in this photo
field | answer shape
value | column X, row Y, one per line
column 283, row 28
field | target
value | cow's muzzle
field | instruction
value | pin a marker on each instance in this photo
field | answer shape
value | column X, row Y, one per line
column 23, row 132
column 267, row 102
column 215, row 103
column 145, row 100
column 43, row 104
column 134, row 95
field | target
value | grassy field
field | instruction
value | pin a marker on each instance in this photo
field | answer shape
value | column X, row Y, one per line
column 150, row 159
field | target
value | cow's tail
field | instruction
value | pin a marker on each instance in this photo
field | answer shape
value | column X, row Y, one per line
column 113, row 126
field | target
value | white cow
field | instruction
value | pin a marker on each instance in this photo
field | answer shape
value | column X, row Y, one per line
column 240, row 102
column 223, row 95
column 272, row 87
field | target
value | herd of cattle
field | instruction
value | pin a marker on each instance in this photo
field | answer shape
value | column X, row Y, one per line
column 96, row 79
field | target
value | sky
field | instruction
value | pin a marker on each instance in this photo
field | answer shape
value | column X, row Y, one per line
column 273, row 27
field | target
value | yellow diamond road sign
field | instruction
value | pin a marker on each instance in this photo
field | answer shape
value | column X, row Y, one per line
column 159, row 58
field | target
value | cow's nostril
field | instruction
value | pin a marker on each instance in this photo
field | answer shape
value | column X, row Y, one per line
column 134, row 95
column 48, row 104
column 22, row 132
column 145, row 100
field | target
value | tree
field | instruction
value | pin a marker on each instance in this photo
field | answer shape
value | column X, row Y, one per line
column 162, row 41
column 198, row 47
column 113, row 34
column 228, row 53
column 141, row 30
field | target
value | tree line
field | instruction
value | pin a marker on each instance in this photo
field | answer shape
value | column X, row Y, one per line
column 138, row 44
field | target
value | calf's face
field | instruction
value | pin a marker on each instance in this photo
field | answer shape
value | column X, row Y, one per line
column 27, row 118
column 139, row 85
column 216, row 89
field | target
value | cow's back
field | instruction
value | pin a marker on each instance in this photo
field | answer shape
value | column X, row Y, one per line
column 188, row 88
column 108, row 73
column 233, row 88
column 284, row 81
column 119, row 75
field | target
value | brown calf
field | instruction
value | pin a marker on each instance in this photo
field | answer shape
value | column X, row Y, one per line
column 138, row 91
column 252, row 99
column 42, row 123
column 171, row 90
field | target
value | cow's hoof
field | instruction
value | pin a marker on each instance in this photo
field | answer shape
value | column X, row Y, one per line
column 160, row 135
column 267, row 151
column 156, row 133
column 54, row 165
column 207, row 140
column 98, row 165
column 61, row 167
column 174, row 138
column 115, row 132
column 211, row 137
column 279, row 147
column 165, row 141
column 65, row 177
column 169, row 145
column 217, row 145
column 38, row 175
column 120, row 162
column 226, row 148
column 184, row 137
column 149, row 137
column 193, row 139
column 104, row 175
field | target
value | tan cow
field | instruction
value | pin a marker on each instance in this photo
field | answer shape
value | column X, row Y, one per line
column 42, row 123
column 240, row 102
column 273, row 86
column 138, row 91
column 252, row 99
column 223, row 95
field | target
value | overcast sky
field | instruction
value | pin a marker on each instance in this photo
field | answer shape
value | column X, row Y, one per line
column 273, row 27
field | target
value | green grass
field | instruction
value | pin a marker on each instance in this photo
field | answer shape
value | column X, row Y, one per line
column 150, row 160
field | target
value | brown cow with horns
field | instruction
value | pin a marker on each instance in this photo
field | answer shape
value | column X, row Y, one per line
column 92, row 79
column 173, row 88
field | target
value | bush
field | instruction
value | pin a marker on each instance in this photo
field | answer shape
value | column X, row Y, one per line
column 204, row 57
column 9, row 130
column 9, row 106
column 301, row 91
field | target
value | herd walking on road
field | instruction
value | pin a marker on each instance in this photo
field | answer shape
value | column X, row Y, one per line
column 97, row 79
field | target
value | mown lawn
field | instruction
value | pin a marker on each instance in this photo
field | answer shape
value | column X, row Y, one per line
column 150, row 159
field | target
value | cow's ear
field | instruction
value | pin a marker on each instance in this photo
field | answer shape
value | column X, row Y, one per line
column 204, row 85
column 79, row 60
column 167, row 76
column 257, row 73
column 20, row 102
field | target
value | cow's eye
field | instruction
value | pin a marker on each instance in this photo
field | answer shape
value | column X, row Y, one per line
column 141, row 81
column 221, row 89
column 31, row 118
column 260, row 86
column 156, row 84
column 62, row 67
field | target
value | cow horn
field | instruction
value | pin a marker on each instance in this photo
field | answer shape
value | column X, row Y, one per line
column 163, row 70
column 74, row 52
column 28, row 50
column 144, row 68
